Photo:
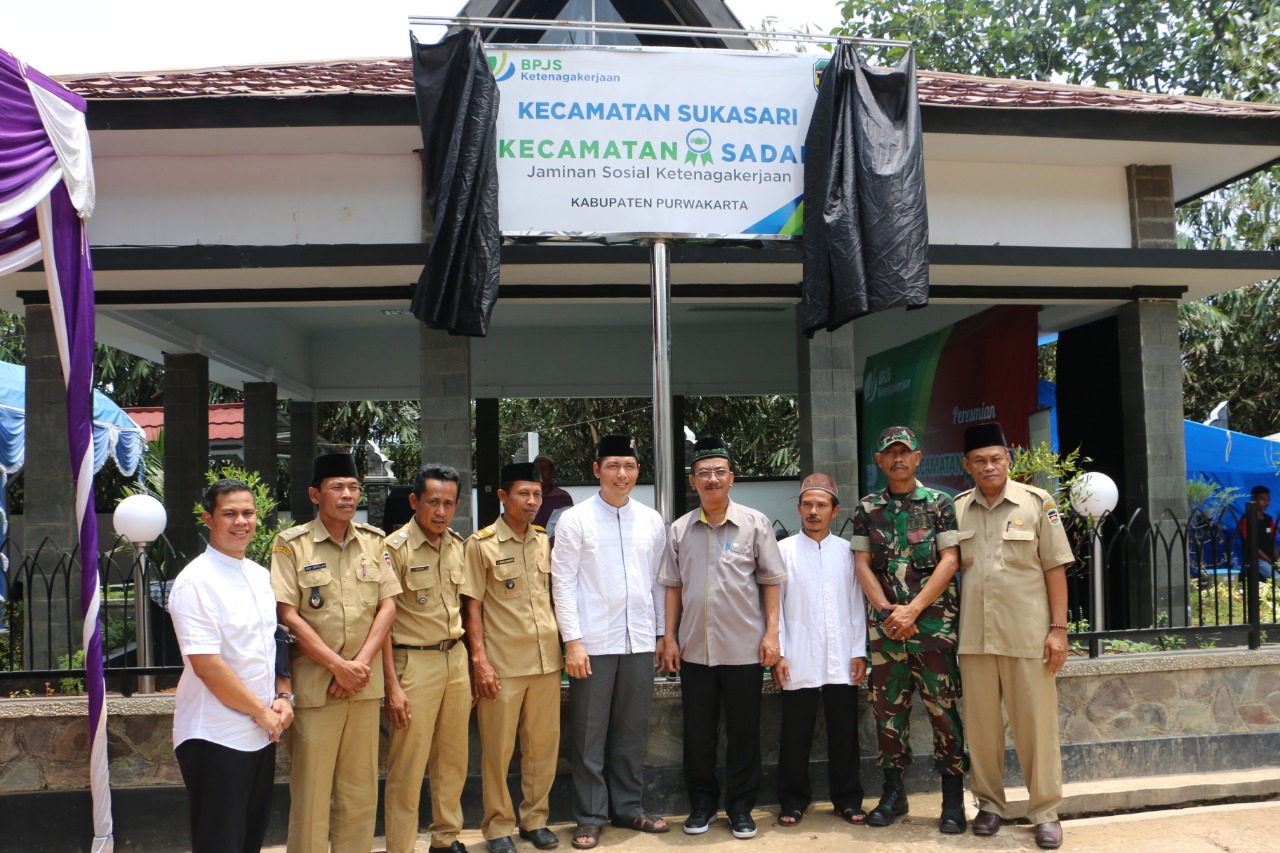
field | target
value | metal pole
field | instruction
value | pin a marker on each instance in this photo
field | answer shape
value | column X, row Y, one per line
column 663, row 430
column 141, row 617
column 1099, row 605
column 1251, row 591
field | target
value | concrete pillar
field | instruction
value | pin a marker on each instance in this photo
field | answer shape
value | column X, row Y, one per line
column 1154, row 447
column 1151, row 218
column 302, row 455
column 186, row 449
column 828, row 428
column 488, row 461
column 49, row 518
column 260, row 431
column 445, row 377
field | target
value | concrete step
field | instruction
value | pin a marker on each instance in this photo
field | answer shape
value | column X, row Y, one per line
column 1155, row 792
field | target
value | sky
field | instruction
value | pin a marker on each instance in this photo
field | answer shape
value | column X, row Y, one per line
column 84, row 36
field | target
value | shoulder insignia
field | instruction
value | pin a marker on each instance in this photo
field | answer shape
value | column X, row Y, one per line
column 1051, row 512
column 292, row 533
column 455, row 535
column 484, row 532
column 395, row 540
column 538, row 528
column 280, row 549
column 369, row 528
column 963, row 494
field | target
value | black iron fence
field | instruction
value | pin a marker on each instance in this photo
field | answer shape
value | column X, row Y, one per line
column 1164, row 585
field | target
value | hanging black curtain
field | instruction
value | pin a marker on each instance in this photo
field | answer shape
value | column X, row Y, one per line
column 458, row 114
column 866, row 226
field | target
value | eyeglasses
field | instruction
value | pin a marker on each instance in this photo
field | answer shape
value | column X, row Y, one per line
column 707, row 473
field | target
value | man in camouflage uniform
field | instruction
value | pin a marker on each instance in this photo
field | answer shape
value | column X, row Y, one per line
column 905, row 545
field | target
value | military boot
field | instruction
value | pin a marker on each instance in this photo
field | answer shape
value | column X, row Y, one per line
column 952, row 821
column 893, row 801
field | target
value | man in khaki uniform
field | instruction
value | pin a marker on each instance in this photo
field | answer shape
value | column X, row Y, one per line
column 515, row 659
column 1013, row 632
column 428, row 690
column 333, row 592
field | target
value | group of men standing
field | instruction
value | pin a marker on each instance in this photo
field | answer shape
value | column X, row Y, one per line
column 425, row 625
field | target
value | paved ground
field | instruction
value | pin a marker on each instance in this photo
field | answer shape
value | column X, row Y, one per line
column 1233, row 828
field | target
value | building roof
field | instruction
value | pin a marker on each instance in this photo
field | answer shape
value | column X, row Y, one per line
column 394, row 77
column 226, row 420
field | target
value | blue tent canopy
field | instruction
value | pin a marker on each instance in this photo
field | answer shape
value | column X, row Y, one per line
column 115, row 435
column 1232, row 459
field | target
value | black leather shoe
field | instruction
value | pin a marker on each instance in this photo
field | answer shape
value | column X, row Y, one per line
column 698, row 821
column 455, row 847
column 543, row 839
column 742, row 825
column 502, row 845
column 1049, row 835
column 986, row 823
column 893, row 802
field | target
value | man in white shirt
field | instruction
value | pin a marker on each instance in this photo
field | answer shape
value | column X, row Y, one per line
column 824, row 657
column 604, row 573
column 231, row 706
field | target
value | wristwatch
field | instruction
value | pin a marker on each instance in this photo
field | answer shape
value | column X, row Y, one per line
column 885, row 614
column 288, row 696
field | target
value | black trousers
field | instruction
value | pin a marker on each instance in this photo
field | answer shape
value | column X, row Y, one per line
column 230, row 795
column 705, row 690
column 799, row 713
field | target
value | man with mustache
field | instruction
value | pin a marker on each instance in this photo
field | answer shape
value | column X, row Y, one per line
column 336, row 592
column 824, row 658
column 428, row 689
column 724, row 576
column 609, row 604
column 1013, row 632
column 904, row 539
column 515, row 660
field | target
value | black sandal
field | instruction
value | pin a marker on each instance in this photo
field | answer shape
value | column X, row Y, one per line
column 790, row 817
column 857, row 817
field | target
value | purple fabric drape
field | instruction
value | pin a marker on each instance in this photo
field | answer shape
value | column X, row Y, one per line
column 27, row 156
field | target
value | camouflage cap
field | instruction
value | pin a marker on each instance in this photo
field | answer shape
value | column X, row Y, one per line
column 896, row 434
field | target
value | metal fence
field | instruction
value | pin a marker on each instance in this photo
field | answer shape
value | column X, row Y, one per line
column 1165, row 585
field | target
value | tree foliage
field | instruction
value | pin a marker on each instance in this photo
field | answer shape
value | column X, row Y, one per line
column 1210, row 48
column 763, row 432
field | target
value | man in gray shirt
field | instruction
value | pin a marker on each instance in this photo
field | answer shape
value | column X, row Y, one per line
column 724, row 576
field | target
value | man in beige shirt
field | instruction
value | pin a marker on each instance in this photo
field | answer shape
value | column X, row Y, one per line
column 723, row 576
column 515, row 659
column 1013, row 632
column 428, row 689
column 335, row 594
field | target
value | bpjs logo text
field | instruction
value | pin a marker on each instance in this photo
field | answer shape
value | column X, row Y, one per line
column 540, row 65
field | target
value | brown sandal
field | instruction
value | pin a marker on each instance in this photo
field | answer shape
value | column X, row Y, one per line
column 589, row 831
column 642, row 823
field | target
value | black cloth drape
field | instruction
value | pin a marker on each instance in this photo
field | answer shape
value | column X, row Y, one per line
column 866, row 225
column 458, row 114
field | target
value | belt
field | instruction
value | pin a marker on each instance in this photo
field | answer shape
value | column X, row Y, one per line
column 442, row 646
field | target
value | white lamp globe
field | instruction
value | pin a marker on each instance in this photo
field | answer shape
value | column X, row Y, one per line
column 139, row 518
column 1094, row 494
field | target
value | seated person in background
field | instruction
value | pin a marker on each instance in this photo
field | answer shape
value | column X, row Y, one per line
column 1261, row 496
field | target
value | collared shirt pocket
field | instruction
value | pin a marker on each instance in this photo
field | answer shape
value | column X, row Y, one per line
column 421, row 588
column 1019, row 548
column 317, row 590
column 507, row 578
column 368, row 576
column 740, row 556
column 544, row 573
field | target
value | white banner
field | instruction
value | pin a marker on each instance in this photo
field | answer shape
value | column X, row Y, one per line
column 652, row 142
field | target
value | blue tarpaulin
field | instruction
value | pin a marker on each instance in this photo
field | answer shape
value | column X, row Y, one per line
column 115, row 435
column 1232, row 459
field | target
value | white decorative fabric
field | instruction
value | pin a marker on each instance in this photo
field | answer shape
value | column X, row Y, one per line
column 69, row 134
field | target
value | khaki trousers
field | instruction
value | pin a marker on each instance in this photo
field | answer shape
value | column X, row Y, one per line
column 439, row 693
column 1031, row 699
column 531, row 705
column 334, row 785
